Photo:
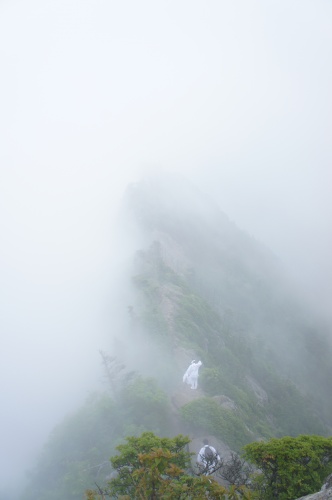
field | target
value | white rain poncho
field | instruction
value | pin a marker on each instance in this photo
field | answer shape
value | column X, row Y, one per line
column 191, row 375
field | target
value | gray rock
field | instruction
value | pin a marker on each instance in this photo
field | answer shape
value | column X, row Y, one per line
column 225, row 402
column 259, row 392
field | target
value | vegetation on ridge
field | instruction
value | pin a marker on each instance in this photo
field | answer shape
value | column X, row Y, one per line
column 206, row 291
column 149, row 467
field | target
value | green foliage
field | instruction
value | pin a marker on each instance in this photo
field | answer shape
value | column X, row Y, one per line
column 216, row 381
column 128, row 459
column 212, row 381
column 290, row 467
column 196, row 320
column 146, row 404
column 205, row 414
column 149, row 467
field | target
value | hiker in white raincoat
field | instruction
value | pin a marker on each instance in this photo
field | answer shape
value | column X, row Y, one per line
column 208, row 458
column 191, row 375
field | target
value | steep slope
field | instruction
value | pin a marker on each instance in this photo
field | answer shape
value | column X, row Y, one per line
column 199, row 288
column 213, row 289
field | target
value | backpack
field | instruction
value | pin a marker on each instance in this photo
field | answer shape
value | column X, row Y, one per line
column 208, row 454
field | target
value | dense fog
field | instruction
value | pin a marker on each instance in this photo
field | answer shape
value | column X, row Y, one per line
column 234, row 96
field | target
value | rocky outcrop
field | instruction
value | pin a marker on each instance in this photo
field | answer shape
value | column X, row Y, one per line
column 259, row 392
column 324, row 494
column 225, row 402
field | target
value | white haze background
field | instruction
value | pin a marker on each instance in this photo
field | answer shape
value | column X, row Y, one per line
column 236, row 96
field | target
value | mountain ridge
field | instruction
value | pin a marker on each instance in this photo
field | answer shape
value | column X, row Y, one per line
column 199, row 288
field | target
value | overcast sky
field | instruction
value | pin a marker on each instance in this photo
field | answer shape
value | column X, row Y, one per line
column 235, row 95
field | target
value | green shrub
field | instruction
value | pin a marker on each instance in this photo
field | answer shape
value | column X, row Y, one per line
column 290, row 467
column 146, row 404
column 212, row 381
